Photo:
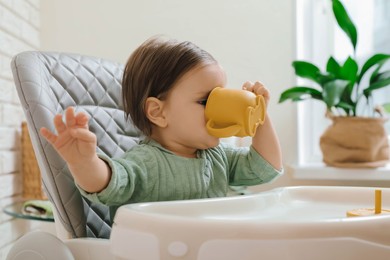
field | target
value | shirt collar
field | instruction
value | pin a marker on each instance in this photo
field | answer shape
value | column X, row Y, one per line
column 151, row 142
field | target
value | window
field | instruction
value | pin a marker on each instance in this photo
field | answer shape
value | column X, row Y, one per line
column 318, row 37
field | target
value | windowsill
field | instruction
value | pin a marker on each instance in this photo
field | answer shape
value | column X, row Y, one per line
column 319, row 171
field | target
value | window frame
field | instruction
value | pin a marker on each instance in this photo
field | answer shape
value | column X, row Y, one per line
column 311, row 14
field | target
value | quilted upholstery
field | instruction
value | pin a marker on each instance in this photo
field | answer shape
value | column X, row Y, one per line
column 47, row 83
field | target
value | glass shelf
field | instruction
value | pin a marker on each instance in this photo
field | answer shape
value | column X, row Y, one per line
column 16, row 210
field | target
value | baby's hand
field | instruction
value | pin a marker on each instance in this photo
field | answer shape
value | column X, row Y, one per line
column 74, row 142
column 258, row 88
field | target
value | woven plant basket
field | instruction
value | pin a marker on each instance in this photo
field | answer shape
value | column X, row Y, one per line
column 32, row 184
column 355, row 142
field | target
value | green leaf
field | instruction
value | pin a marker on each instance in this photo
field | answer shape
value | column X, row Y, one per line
column 333, row 67
column 333, row 91
column 375, row 59
column 375, row 73
column 377, row 85
column 306, row 70
column 345, row 106
column 349, row 70
column 376, row 76
column 299, row 93
column 345, row 22
column 348, row 93
column 325, row 78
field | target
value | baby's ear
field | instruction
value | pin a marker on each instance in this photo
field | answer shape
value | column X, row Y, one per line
column 154, row 111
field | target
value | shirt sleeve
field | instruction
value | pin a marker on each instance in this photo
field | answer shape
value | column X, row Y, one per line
column 248, row 167
column 129, row 181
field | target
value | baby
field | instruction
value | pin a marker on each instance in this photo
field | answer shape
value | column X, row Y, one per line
column 165, row 88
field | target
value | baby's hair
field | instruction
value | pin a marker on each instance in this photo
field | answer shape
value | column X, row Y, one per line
column 152, row 70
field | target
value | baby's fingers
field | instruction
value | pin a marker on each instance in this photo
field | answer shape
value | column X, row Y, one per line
column 59, row 124
column 70, row 117
column 48, row 135
column 248, row 86
column 82, row 120
column 83, row 135
column 260, row 89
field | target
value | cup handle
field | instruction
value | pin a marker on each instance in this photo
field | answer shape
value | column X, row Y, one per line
column 222, row 132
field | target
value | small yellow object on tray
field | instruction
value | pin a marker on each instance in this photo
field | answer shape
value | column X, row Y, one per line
column 370, row 212
column 365, row 212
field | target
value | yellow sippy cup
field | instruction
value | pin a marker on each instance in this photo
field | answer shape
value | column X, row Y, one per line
column 234, row 112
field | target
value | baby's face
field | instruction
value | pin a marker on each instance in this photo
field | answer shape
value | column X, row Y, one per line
column 185, row 106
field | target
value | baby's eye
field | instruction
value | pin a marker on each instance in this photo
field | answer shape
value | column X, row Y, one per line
column 203, row 102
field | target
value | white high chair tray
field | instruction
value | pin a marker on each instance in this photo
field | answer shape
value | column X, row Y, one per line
column 284, row 223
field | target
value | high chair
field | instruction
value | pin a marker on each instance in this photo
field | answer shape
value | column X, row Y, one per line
column 47, row 83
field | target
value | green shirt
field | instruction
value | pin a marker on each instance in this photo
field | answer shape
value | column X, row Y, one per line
column 148, row 172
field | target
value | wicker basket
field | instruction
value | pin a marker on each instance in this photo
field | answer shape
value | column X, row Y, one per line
column 32, row 184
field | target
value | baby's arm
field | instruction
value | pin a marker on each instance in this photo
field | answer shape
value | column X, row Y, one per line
column 265, row 141
column 77, row 146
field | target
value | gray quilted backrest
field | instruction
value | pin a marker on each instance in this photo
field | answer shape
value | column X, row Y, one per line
column 48, row 83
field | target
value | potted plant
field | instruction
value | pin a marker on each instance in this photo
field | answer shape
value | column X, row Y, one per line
column 356, row 137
